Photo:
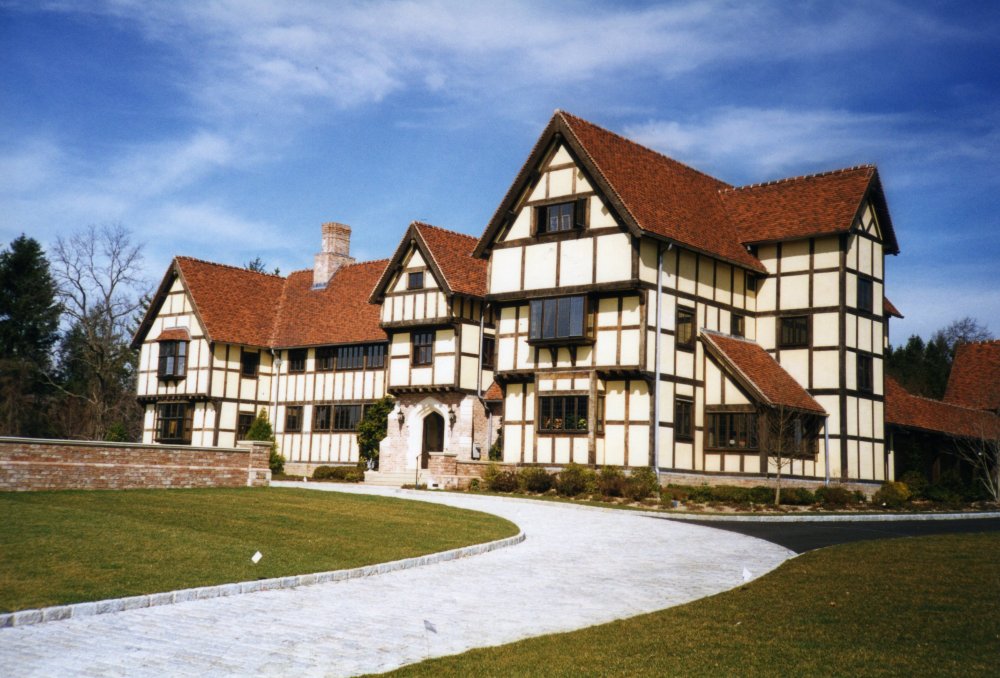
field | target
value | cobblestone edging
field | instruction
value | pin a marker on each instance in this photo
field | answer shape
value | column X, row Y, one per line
column 77, row 610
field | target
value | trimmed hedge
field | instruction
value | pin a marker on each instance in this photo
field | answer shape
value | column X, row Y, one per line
column 344, row 474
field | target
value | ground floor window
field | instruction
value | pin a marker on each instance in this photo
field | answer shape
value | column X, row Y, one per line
column 243, row 424
column 562, row 413
column 173, row 423
column 683, row 428
column 731, row 430
column 293, row 419
column 321, row 417
column 346, row 417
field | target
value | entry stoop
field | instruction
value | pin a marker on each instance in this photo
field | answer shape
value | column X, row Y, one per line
column 395, row 478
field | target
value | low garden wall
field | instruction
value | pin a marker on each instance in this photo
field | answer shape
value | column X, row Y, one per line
column 35, row 464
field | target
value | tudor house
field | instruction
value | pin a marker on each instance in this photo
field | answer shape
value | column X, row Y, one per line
column 620, row 308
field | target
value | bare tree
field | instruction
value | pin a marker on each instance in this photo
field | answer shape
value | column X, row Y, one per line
column 982, row 453
column 964, row 331
column 97, row 271
column 778, row 435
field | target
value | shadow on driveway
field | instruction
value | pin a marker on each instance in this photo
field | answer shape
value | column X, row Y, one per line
column 806, row 536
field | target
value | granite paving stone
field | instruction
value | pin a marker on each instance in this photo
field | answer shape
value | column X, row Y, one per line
column 577, row 568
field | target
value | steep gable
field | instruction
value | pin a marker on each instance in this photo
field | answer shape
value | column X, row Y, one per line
column 975, row 376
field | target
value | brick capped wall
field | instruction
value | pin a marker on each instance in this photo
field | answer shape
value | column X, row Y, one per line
column 33, row 464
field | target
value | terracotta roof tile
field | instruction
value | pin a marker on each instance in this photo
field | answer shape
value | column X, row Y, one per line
column 236, row 305
column 799, row 207
column 174, row 334
column 904, row 409
column 888, row 308
column 665, row 197
column 975, row 376
column 337, row 314
column 761, row 371
column 452, row 253
column 494, row 392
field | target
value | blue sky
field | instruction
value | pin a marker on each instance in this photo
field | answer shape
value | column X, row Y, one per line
column 228, row 130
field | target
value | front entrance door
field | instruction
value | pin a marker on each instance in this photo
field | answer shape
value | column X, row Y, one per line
column 433, row 437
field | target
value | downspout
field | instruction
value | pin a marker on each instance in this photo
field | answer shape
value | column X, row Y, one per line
column 826, row 449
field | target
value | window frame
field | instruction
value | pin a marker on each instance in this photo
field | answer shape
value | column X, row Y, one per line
column 547, row 403
column 295, row 426
column 737, row 325
column 422, row 348
column 743, row 423
column 317, row 424
column 185, row 417
column 415, row 280
column 343, row 413
column 542, row 312
column 176, row 358
column 572, row 217
column 683, row 421
column 370, row 350
column 297, row 359
column 865, row 302
column 685, row 344
column 325, row 358
column 865, row 378
column 248, row 358
column 242, row 430
column 795, row 341
column 351, row 357
column 489, row 349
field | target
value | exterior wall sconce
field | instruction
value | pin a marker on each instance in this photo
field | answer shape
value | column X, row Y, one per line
column 400, row 417
column 452, row 417
column 477, row 452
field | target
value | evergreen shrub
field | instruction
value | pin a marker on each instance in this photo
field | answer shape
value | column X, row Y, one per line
column 642, row 483
column 892, row 494
column 535, row 479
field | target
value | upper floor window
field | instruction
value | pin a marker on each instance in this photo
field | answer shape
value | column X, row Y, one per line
column 737, row 325
column 324, row 358
column 683, row 418
column 865, row 295
column 563, row 216
column 415, row 280
column 793, row 331
column 376, row 355
column 489, row 350
column 297, row 360
column 685, row 328
column 561, row 318
column 173, row 423
column 321, row 417
column 558, row 414
column 423, row 348
column 350, row 357
column 172, row 359
column 346, row 417
column 249, row 364
column 866, row 379
column 293, row 418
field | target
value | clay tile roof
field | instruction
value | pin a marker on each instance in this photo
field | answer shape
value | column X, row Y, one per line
column 452, row 253
column 906, row 410
column 336, row 314
column 799, row 207
column 494, row 392
column 664, row 197
column 761, row 372
column 174, row 334
column 888, row 308
column 236, row 305
column 975, row 376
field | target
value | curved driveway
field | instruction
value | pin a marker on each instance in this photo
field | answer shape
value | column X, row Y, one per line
column 578, row 567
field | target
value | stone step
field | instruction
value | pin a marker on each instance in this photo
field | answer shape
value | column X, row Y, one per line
column 394, row 479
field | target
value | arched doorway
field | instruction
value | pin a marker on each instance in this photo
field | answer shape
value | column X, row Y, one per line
column 433, row 437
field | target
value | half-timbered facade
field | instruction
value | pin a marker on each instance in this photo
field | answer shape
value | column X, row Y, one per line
column 625, row 309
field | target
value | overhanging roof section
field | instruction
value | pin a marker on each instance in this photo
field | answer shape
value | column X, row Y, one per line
column 906, row 410
column 759, row 373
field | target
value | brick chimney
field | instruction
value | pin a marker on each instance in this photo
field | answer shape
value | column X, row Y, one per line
column 335, row 252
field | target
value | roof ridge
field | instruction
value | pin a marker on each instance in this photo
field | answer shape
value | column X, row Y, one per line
column 235, row 268
column 774, row 182
column 418, row 222
column 651, row 150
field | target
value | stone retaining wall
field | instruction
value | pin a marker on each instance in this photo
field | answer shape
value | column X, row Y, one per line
column 33, row 464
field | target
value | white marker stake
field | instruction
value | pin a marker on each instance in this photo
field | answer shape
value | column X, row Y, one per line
column 256, row 557
column 746, row 575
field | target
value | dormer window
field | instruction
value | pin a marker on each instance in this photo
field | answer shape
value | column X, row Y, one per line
column 415, row 280
column 563, row 216
column 172, row 360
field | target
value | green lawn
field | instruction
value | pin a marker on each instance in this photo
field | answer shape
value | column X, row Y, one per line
column 66, row 547
column 900, row 607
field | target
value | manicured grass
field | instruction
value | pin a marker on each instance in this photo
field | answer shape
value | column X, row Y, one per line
column 899, row 607
column 65, row 547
